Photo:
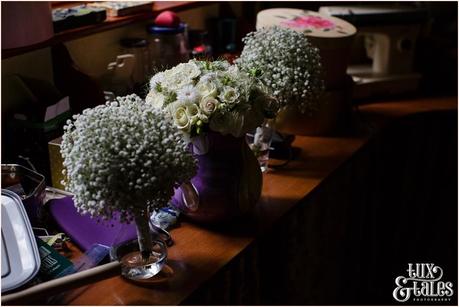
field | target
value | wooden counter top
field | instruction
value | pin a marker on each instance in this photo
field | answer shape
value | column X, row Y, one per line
column 198, row 252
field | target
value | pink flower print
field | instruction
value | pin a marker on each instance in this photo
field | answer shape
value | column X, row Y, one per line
column 315, row 22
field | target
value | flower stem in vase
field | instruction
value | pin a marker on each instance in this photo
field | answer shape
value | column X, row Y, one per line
column 143, row 258
column 143, row 234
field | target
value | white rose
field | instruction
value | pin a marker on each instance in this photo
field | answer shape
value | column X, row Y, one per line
column 181, row 119
column 193, row 112
column 229, row 95
column 208, row 105
column 155, row 99
column 207, row 88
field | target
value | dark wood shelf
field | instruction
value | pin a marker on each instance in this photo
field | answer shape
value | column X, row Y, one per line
column 108, row 24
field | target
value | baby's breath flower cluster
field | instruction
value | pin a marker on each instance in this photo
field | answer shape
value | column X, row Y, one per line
column 123, row 157
column 203, row 95
column 287, row 63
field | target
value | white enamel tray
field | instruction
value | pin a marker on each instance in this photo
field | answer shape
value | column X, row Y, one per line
column 20, row 257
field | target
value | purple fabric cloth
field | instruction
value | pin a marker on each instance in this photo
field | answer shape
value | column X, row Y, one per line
column 86, row 231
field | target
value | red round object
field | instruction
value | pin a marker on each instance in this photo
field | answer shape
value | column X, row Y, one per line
column 167, row 19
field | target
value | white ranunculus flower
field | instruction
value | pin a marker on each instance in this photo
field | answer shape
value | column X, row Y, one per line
column 229, row 95
column 175, row 79
column 190, row 69
column 156, row 79
column 207, row 88
column 155, row 99
column 187, row 94
column 208, row 105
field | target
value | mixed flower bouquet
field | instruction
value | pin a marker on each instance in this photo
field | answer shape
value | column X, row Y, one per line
column 201, row 95
column 286, row 63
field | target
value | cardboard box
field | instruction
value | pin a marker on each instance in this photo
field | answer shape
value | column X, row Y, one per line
column 56, row 163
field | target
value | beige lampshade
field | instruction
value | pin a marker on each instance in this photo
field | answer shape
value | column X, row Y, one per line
column 25, row 23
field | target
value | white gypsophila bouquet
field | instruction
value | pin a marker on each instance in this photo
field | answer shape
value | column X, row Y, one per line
column 122, row 158
column 287, row 63
column 203, row 95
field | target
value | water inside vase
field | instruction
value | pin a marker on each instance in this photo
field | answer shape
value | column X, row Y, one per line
column 136, row 268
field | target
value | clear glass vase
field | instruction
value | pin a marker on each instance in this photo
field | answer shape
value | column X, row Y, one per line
column 260, row 143
column 141, row 258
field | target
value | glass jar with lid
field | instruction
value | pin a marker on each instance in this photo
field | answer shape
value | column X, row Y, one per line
column 168, row 46
column 139, row 48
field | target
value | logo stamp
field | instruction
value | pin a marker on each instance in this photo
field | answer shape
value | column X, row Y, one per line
column 423, row 283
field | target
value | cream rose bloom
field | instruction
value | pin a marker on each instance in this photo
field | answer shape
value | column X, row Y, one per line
column 181, row 119
column 229, row 95
column 207, row 88
column 193, row 112
column 208, row 105
column 179, row 114
column 185, row 114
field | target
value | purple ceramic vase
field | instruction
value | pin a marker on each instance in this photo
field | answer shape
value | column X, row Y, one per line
column 228, row 182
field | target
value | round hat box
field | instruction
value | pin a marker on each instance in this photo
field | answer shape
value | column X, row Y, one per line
column 332, row 36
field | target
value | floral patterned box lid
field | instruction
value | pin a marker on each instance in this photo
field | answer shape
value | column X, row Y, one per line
column 315, row 25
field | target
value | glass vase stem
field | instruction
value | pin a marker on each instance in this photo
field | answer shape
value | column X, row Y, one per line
column 143, row 234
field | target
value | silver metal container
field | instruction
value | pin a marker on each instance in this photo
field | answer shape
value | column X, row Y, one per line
column 20, row 256
column 28, row 185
